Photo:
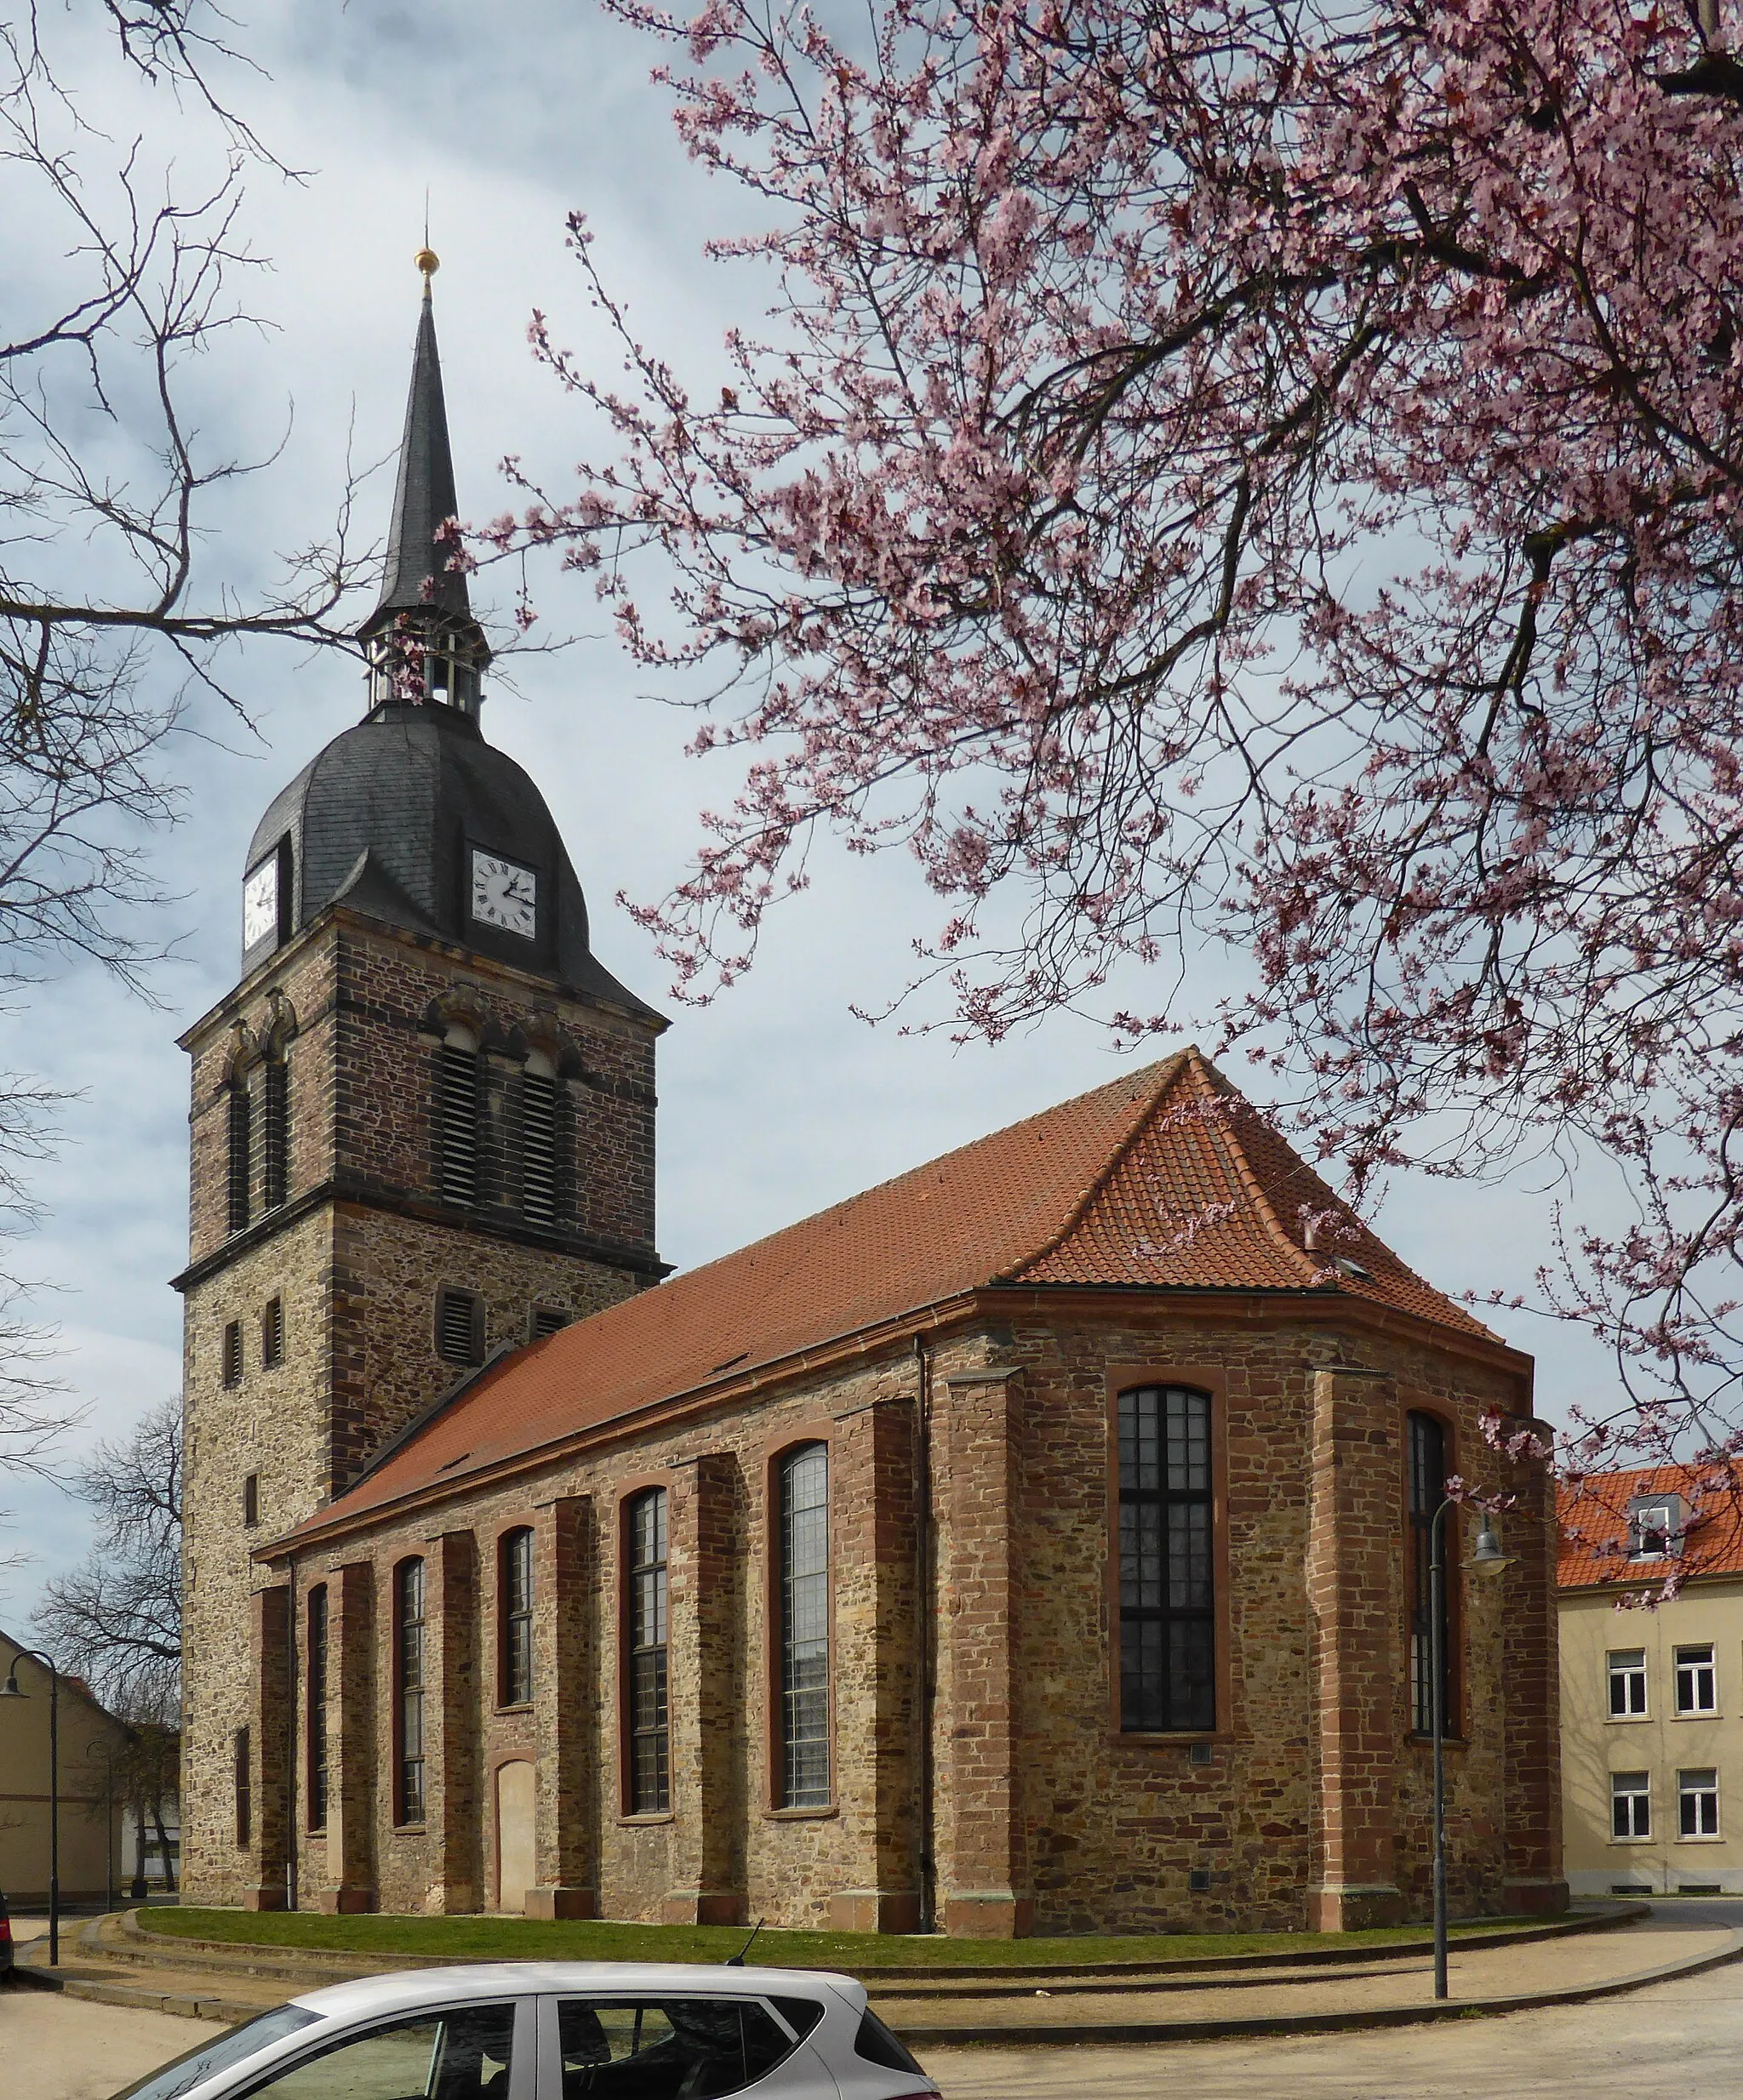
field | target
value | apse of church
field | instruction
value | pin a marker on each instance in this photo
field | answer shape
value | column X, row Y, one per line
column 1032, row 1542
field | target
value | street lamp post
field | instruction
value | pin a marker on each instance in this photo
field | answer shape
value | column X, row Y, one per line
column 12, row 1690
column 1486, row 1554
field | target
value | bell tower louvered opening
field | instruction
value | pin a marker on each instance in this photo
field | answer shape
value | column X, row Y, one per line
column 275, row 1133
column 457, row 1165
column 240, row 1162
column 539, row 1147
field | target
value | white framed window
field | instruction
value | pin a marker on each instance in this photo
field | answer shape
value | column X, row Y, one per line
column 1656, row 1525
column 1630, row 1805
column 1698, row 1803
column 1697, row 1682
column 1627, row 1676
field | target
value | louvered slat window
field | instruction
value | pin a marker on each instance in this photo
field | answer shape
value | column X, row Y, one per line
column 539, row 1147
column 457, row 1113
column 275, row 1134
column 272, row 1334
column 241, row 1156
column 457, row 1324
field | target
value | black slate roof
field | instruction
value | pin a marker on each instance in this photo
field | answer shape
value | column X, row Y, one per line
column 417, row 576
column 383, row 820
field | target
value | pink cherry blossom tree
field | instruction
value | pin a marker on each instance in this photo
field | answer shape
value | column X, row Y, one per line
column 1263, row 471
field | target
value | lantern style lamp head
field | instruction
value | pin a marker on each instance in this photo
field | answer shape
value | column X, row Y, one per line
column 12, row 1689
column 1487, row 1552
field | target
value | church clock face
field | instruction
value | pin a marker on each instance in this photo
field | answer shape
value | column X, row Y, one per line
column 259, row 903
column 505, row 894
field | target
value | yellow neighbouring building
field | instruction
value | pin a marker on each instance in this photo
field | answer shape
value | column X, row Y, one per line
column 91, row 1838
column 1652, row 1692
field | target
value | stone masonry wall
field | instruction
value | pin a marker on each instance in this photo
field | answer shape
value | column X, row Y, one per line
column 271, row 1426
column 1043, row 1815
column 356, row 1255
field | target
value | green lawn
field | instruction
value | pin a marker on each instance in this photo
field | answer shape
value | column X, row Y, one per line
column 859, row 1953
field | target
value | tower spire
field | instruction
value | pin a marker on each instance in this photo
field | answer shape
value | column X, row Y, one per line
column 422, row 640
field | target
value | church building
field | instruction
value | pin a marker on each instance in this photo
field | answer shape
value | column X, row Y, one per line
column 1035, row 1542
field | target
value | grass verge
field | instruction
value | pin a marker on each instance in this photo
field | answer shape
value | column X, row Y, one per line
column 527, row 1939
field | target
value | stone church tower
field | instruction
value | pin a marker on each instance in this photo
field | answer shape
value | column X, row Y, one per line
column 422, row 1125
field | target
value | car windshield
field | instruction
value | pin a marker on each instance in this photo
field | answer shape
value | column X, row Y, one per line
column 235, row 2047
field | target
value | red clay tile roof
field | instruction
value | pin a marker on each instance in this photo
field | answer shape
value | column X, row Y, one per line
column 1593, row 1514
column 1166, row 1178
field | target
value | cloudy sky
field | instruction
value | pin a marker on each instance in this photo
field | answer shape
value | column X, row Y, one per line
column 775, row 1101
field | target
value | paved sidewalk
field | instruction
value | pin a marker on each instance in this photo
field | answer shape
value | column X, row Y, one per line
column 1477, row 1976
column 57, row 2048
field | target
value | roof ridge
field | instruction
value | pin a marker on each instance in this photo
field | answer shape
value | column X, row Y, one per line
column 1214, row 1081
column 1168, row 1070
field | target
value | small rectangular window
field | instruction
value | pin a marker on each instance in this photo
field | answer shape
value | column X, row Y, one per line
column 1630, row 1805
column 1627, row 1675
column 1698, row 1804
column 251, row 1500
column 460, row 1336
column 244, row 1788
column 272, row 1334
column 1697, row 1682
column 545, row 1319
column 230, row 1355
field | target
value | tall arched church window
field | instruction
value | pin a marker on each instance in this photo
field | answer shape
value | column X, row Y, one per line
column 457, row 1116
column 649, row 1727
column 275, row 1132
column 1428, row 1488
column 239, row 1165
column 1167, row 1677
column 316, row 1651
column 408, row 1690
column 804, row 1628
column 515, row 1630
column 538, row 1140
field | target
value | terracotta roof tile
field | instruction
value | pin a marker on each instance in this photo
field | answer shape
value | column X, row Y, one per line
column 1593, row 1516
column 1166, row 1178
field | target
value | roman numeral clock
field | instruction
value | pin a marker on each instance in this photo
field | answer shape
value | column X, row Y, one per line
column 505, row 894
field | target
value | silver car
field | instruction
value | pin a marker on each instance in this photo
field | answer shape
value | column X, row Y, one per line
column 558, row 2030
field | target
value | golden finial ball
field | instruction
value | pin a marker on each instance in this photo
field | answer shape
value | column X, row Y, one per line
column 428, row 261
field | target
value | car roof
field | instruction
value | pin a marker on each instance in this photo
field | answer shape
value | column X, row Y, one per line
column 405, row 1989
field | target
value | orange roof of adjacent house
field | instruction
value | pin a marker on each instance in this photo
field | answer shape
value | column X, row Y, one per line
column 1593, row 1516
column 1167, row 1179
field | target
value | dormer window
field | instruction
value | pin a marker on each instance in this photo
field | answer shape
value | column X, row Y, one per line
column 1656, row 1525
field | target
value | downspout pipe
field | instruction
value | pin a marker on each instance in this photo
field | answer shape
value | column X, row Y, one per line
column 925, row 1600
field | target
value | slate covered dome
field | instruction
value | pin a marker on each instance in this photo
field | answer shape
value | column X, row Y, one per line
column 384, row 819
column 392, row 817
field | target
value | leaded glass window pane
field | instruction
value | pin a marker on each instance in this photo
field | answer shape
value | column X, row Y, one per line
column 649, row 1717
column 804, row 1628
column 1168, row 1676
